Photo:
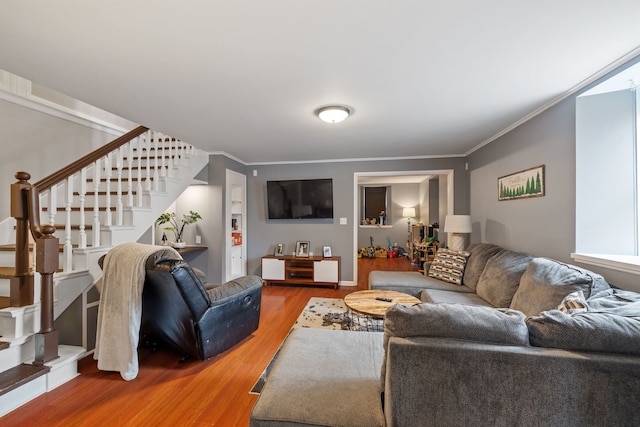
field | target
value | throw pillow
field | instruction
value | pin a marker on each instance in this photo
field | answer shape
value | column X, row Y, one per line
column 458, row 321
column 501, row 276
column 546, row 282
column 479, row 255
column 573, row 303
column 448, row 266
column 586, row 331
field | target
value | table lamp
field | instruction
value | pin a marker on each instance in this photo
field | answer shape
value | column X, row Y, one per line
column 457, row 226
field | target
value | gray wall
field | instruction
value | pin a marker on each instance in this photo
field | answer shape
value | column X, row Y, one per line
column 543, row 226
column 40, row 144
column 209, row 201
column 264, row 234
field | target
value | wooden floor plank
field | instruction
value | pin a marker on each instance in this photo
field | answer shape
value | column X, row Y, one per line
column 166, row 393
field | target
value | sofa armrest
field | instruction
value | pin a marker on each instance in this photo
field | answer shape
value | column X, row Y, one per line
column 232, row 288
column 454, row 382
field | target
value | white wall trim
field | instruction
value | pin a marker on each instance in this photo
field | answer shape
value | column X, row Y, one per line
column 625, row 263
column 364, row 159
column 584, row 83
column 17, row 90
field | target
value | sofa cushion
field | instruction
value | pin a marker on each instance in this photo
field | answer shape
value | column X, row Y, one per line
column 546, row 282
column 501, row 276
column 465, row 322
column 479, row 253
column 448, row 266
column 617, row 301
column 586, row 331
column 409, row 282
column 437, row 296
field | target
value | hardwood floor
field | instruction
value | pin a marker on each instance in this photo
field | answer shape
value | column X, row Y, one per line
column 166, row 393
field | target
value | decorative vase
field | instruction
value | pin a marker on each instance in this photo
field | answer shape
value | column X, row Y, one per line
column 179, row 244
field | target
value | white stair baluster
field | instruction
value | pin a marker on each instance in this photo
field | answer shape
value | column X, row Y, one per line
column 82, row 193
column 68, row 247
column 130, row 174
column 119, row 205
column 53, row 204
column 170, row 169
column 163, row 160
column 139, row 172
column 148, row 146
column 156, row 144
column 179, row 152
column 108, row 173
column 96, row 203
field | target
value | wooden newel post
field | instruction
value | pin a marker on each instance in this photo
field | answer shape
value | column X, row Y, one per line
column 47, row 261
column 21, row 284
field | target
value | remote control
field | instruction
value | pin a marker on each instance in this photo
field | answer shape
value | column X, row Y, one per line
column 384, row 299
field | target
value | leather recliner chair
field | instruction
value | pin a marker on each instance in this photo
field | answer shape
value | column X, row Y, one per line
column 201, row 320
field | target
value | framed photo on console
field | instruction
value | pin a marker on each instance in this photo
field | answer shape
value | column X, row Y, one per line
column 326, row 251
column 279, row 249
column 302, row 249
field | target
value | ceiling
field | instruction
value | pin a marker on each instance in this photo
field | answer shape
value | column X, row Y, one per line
column 424, row 78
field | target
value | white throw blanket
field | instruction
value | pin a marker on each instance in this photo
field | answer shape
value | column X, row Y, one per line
column 120, row 308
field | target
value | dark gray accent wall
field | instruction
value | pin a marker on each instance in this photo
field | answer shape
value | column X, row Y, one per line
column 544, row 226
column 263, row 233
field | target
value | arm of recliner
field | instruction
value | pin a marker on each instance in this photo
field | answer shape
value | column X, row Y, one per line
column 232, row 288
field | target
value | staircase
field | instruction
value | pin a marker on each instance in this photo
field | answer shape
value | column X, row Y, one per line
column 109, row 197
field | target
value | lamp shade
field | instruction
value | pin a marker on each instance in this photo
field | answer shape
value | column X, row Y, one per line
column 457, row 224
column 333, row 114
column 408, row 212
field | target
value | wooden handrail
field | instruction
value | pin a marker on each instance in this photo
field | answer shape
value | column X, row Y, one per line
column 70, row 169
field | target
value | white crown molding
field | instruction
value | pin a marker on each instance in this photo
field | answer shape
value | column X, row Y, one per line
column 584, row 83
column 16, row 90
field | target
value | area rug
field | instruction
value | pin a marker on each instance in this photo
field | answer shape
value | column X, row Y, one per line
column 332, row 313
column 324, row 313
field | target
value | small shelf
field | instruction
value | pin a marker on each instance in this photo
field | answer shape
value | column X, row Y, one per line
column 192, row 249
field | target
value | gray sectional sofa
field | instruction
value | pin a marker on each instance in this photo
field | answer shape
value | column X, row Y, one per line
column 521, row 341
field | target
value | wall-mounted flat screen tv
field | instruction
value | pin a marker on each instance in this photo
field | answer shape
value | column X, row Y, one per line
column 300, row 199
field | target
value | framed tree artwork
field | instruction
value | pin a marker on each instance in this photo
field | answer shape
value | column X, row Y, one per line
column 523, row 184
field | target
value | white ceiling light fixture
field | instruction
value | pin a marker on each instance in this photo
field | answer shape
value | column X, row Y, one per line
column 333, row 113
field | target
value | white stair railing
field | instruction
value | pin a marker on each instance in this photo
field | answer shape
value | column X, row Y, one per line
column 150, row 153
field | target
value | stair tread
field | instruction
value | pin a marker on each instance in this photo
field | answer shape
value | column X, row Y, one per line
column 12, row 248
column 77, row 209
column 4, row 302
column 112, row 179
column 4, row 344
column 100, row 193
column 6, row 272
column 20, row 375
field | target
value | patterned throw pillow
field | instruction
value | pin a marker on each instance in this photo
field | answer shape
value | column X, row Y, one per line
column 573, row 303
column 448, row 266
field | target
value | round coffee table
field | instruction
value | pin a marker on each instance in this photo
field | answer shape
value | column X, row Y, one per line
column 365, row 302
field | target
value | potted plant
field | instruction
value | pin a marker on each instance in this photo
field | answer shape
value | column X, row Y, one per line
column 177, row 225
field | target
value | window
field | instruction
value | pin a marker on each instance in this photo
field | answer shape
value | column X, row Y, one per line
column 607, row 229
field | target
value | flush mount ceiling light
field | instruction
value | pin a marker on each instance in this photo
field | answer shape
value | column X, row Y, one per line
column 333, row 113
